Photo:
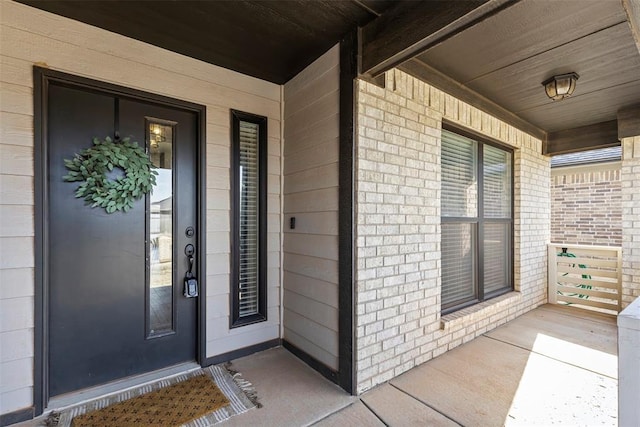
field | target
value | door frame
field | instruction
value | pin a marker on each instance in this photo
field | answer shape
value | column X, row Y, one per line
column 42, row 78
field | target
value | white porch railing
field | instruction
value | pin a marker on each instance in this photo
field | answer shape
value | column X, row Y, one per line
column 589, row 277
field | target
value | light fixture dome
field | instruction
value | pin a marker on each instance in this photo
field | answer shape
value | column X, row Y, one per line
column 561, row 86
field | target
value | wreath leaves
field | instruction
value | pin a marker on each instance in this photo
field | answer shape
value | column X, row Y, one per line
column 90, row 167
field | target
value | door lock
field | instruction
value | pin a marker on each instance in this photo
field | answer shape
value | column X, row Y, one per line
column 190, row 281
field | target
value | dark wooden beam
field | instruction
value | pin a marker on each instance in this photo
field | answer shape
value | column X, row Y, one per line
column 428, row 74
column 629, row 122
column 599, row 135
column 411, row 27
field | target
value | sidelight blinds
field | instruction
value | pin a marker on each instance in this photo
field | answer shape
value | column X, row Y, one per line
column 248, row 292
column 249, row 227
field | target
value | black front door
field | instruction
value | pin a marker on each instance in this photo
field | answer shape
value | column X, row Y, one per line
column 115, row 280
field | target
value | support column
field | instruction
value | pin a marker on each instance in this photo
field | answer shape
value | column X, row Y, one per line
column 628, row 362
column 629, row 319
column 630, row 178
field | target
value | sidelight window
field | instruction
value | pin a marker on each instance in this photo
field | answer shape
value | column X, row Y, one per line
column 160, row 307
column 249, row 178
column 477, row 220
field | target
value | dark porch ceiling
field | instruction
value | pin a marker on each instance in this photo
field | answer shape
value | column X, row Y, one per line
column 270, row 40
column 493, row 54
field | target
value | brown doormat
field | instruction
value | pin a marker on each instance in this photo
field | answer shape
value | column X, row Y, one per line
column 170, row 406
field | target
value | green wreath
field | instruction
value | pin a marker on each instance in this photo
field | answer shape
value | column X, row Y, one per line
column 92, row 165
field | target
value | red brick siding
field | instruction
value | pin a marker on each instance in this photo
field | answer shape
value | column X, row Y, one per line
column 586, row 206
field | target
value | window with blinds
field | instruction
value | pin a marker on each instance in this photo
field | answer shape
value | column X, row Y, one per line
column 477, row 221
column 497, row 219
column 249, row 218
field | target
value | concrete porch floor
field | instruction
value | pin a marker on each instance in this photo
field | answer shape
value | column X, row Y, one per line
column 553, row 365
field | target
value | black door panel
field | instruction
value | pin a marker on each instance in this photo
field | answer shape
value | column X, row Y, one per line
column 98, row 262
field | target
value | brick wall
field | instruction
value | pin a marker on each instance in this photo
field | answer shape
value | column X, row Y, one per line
column 630, row 220
column 398, row 228
column 586, row 205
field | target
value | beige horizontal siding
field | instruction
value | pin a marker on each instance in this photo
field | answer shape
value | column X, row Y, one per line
column 314, row 289
column 325, row 223
column 317, row 245
column 311, row 150
column 30, row 36
column 16, row 190
column 17, row 220
column 312, row 179
column 323, row 200
column 19, row 345
column 17, row 128
column 318, row 312
column 305, row 343
column 322, row 153
column 314, row 267
column 308, row 134
column 16, row 160
column 298, row 100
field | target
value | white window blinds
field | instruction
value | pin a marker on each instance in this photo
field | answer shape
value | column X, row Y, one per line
column 497, row 205
column 248, row 286
column 459, row 183
column 459, row 199
column 496, row 256
column 458, row 262
column 497, row 183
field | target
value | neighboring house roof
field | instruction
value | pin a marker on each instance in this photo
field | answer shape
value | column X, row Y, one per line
column 602, row 155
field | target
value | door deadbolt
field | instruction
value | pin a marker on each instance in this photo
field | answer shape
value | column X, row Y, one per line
column 189, row 250
column 190, row 231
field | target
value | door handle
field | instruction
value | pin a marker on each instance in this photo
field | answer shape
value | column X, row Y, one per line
column 190, row 281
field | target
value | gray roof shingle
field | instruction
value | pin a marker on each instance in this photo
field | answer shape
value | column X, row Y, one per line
column 601, row 155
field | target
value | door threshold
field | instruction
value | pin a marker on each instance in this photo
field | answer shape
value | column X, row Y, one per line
column 74, row 398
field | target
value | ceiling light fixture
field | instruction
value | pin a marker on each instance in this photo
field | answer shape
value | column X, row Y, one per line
column 561, row 86
column 156, row 135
